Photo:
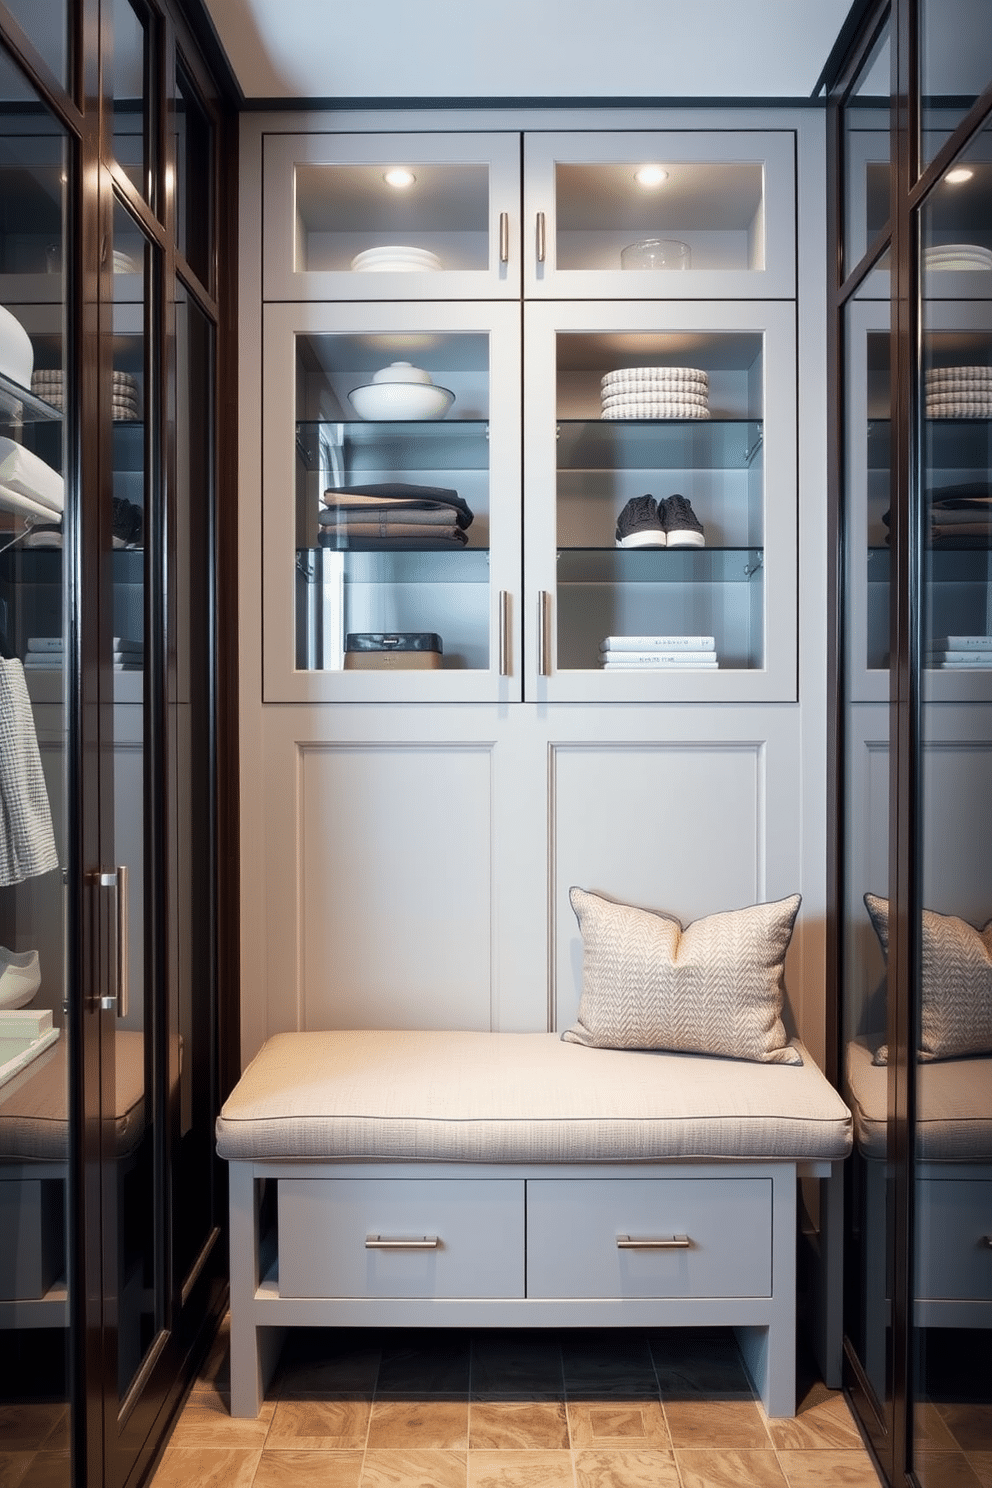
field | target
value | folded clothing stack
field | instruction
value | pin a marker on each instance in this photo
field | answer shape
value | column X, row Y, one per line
column 126, row 404
column 656, row 393
column 658, row 653
column 961, row 653
column 47, row 654
column 959, row 392
column 961, row 515
column 29, row 486
column 393, row 515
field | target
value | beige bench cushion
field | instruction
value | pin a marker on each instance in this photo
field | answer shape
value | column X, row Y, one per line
column 34, row 1107
column 953, row 1107
column 520, row 1097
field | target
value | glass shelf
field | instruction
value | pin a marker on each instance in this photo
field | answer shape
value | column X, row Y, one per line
column 17, row 402
column 946, row 565
column 462, row 444
column 658, row 565
column 385, row 566
column 952, row 444
column 658, row 444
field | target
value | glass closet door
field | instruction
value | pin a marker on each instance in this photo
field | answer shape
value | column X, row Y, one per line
column 40, row 984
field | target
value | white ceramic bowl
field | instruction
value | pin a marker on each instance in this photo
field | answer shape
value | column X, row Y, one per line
column 401, row 372
column 20, row 977
column 401, row 400
column 16, row 351
column 413, row 260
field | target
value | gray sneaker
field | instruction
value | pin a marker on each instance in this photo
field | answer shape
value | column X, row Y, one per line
column 639, row 524
column 683, row 529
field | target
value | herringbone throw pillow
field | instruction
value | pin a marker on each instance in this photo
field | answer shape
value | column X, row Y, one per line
column 716, row 987
column 956, row 992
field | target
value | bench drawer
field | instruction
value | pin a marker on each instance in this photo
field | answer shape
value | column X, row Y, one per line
column 399, row 1238
column 593, row 1238
column 954, row 1240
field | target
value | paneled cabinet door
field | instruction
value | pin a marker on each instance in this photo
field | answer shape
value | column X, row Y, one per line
column 391, row 216
column 391, row 503
column 660, row 502
column 691, row 214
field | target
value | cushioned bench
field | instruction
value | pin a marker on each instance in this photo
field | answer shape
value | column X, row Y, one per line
column 502, row 1179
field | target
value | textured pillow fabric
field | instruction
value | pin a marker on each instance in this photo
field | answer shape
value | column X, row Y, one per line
column 716, row 987
column 956, row 992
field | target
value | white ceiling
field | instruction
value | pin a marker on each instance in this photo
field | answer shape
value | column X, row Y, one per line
column 478, row 49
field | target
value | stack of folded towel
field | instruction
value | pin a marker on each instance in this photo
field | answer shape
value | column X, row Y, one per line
column 656, row 393
column 961, row 653
column 126, row 406
column 959, row 392
column 393, row 515
column 961, row 516
column 658, row 653
column 29, row 486
column 47, row 654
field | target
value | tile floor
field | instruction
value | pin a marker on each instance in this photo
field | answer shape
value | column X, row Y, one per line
column 597, row 1409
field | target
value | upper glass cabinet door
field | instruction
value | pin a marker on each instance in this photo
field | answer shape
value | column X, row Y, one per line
column 397, row 217
column 867, row 154
column 391, row 486
column 691, row 215
column 663, row 564
column 955, row 67
column 956, row 229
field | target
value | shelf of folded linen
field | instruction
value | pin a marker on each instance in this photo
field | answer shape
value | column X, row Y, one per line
column 394, row 516
column 125, row 394
column 961, row 515
column 28, row 487
column 655, row 393
column 960, row 653
column 963, row 392
column 658, row 653
column 47, row 654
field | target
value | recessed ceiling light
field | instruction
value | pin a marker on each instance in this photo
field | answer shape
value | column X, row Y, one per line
column 650, row 175
column 958, row 174
column 399, row 176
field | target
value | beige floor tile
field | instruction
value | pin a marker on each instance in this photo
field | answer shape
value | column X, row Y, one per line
column 48, row 1470
column 206, row 1467
column 717, row 1423
column 309, row 1470
column 828, row 1423
column 627, row 1424
column 517, row 1424
column 426, row 1467
column 970, row 1425
column 13, row 1466
column 29, row 1427
column 433, row 1422
column 623, row 1468
column 945, row 1470
column 931, row 1432
column 520, row 1470
column 828, row 1468
column 516, row 1363
column 981, row 1463
column 324, row 1425
column 713, row 1467
column 212, row 1425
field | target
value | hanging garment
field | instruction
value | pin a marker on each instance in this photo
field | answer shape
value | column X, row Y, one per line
column 27, row 842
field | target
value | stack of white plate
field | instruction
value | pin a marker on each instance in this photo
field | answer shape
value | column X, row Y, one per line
column 959, row 392
column 656, row 393
column 957, row 256
column 393, row 259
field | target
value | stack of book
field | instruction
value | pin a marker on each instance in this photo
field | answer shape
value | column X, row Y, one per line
column 658, row 652
column 960, row 653
column 46, row 654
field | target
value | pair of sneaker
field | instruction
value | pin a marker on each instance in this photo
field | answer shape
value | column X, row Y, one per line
column 669, row 523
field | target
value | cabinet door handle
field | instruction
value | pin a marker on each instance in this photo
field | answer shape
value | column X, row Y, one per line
column 661, row 1242
column 542, row 238
column 543, row 634
column 387, row 1242
column 117, row 1001
column 504, row 633
column 504, row 237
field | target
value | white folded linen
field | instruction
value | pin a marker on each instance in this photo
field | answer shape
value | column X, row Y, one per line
column 14, row 501
column 23, row 472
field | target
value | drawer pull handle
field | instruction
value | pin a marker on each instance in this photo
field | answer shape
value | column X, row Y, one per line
column 504, row 237
column 386, row 1242
column 662, row 1242
column 542, row 238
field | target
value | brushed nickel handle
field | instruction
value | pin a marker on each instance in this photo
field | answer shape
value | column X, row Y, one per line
column 661, row 1242
column 542, row 238
column 117, row 1001
column 504, row 633
column 504, row 237
column 544, row 633
column 387, row 1242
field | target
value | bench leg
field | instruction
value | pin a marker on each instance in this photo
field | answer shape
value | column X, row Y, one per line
column 770, row 1353
column 254, row 1350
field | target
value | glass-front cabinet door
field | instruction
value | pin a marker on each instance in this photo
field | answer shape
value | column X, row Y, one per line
column 394, row 217
column 392, row 503
column 693, row 215
column 660, row 500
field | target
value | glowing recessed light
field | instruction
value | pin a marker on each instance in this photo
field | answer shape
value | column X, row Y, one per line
column 958, row 174
column 399, row 176
column 650, row 175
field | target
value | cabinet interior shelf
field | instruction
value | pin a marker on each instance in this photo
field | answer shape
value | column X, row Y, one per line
column 658, row 565
column 17, row 402
column 945, row 565
column 460, row 444
column 951, row 444
column 391, row 566
column 658, row 444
